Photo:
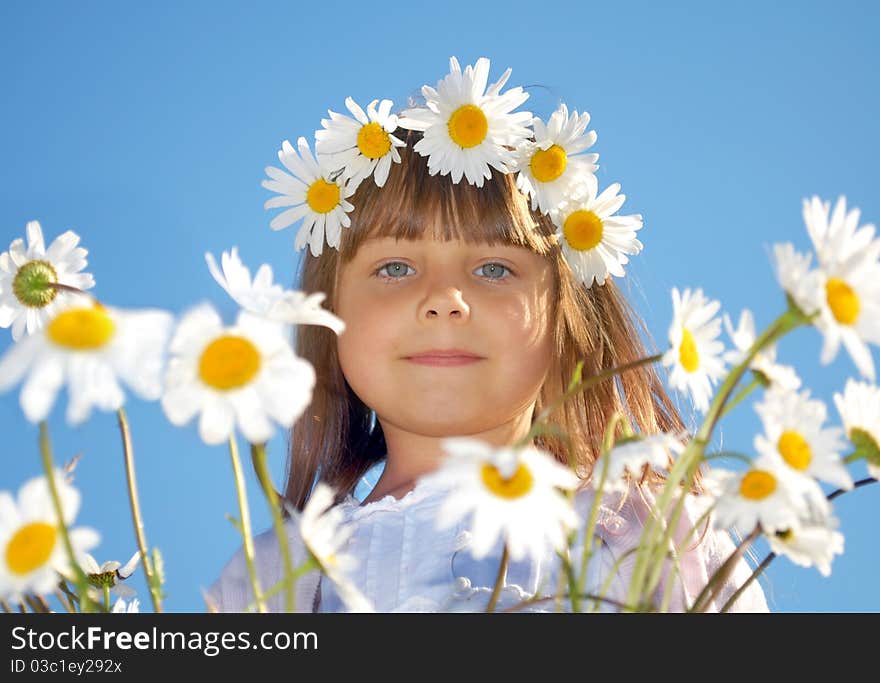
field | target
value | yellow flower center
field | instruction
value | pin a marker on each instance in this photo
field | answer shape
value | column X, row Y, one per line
column 582, row 230
column 322, row 196
column 30, row 547
column 513, row 487
column 229, row 362
column 468, row 126
column 687, row 352
column 757, row 485
column 81, row 329
column 795, row 450
column 842, row 300
column 373, row 141
column 548, row 164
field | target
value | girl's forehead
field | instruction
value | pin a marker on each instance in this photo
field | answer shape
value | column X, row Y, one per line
column 379, row 243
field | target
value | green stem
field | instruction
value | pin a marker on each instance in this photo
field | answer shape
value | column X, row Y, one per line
column 689, row 459
column 37, row 605
column 658, row 554
column 258, row 455
column 585, row 596
column 716, row 583
column 745, row 391
column 587, row 552
column 244, row 513
column 136, row 509
column 106, row 598
column 65, row 603
column 583, row 385
column 499, row 581
column 81, row 580
column 728, row 454
column 667, row 595
column 852, row 457
column 309, row 565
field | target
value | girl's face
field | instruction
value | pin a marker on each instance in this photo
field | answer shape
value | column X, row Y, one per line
column 400, row 298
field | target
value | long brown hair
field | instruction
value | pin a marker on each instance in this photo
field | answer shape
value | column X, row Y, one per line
column 336, row 438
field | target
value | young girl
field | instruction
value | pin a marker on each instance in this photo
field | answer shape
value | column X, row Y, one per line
column 430, row 266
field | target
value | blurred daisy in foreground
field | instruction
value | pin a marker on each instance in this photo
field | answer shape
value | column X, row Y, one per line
column 317, row 194
column 594, row 241
column 810, row 545
column 364, row 145
column 764, row 365
column 26, row 302
column 632, row 455
column 511, row 494
column 90, row 348
column 467, row 127
column 552, row 167
column 837, row 236
column 245, row 375
column 110, row 574
column 761, row 494
column 120, row 607
column 794, row 434
column 262, row 297
column 32, row 552
column 325, row 536
column 696, row 355
column 796, row 277
column 849, row 284
column 859, row 408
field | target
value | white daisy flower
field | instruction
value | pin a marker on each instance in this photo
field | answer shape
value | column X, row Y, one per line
column 764, row 363
column 90, row 348
column 696, row 355
column 120, row 607
column 110, row 574
column 511, row 493
column 800, row 282
column 761, row 494
column 467, row 127
column 845, row 288
column 262, row 297
column 850, row 302
column 32, row 552
column 364, row 145
column 552, row 167
column 632, row 455
column 25, row 300
column 837, row 237
column 794, row 434
column 315, row 191
column 810, row 545
column 245, row 375
column 859, row 408
column 594, row 241
column 325, row 536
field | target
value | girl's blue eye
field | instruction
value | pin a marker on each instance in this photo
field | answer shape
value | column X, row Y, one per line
column 495, row 268
column 398, row 268
column 395, row 268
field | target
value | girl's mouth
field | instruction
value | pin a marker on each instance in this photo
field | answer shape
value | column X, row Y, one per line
column 444, row 360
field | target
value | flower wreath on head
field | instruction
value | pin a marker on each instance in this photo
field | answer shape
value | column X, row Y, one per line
column 467, row 128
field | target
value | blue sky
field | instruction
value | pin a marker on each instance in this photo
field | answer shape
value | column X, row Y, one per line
column 146, row 130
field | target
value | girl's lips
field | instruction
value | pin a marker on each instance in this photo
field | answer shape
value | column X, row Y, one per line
column 445, row 360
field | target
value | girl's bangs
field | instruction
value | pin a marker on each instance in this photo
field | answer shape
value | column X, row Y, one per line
column 414, row 204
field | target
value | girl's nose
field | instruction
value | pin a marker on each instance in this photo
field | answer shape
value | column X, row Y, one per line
column 446, row 303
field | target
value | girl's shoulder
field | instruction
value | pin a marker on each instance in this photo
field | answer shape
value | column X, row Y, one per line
column 232, row 591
